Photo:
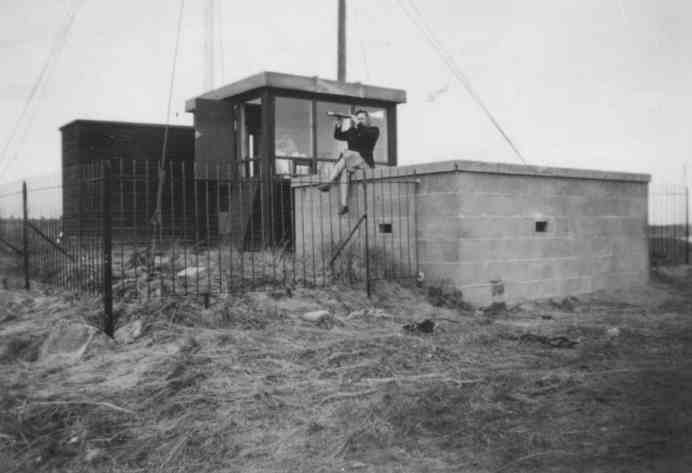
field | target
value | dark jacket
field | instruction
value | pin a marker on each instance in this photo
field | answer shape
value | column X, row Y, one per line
column 360, row 138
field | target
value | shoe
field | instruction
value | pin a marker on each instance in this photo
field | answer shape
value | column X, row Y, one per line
column 324, row 187
column 343, row 210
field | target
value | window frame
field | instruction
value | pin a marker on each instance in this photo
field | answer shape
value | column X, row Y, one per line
column 389, row 109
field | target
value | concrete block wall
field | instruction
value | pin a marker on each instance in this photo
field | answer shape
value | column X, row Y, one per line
column 476, row 225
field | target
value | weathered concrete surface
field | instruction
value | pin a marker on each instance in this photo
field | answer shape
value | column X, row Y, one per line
column 476, row 225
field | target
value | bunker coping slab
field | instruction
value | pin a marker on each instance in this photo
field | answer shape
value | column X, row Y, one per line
column 483, row 167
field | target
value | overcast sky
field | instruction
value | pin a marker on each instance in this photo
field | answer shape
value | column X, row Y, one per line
column 576, row 83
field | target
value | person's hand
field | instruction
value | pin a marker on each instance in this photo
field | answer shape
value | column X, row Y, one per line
column 338, row 122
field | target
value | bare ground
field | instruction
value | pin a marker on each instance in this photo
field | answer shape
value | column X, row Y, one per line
column 595, row 384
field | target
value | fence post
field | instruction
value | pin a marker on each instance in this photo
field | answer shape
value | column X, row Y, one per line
column 687, row 224
column 25, row 235
column 367, row 242
column 107, row 229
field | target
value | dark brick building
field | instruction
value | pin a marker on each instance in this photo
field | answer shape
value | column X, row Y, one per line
column 134, row 150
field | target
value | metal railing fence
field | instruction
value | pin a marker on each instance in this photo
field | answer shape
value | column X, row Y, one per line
column 215, row 232
column 669, row 224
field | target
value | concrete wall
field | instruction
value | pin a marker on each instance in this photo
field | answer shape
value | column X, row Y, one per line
column 476, row 226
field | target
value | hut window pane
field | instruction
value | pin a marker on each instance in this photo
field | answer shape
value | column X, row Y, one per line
column 378, row 118
column 293, row 128
column 291, row 167
column 327, row 146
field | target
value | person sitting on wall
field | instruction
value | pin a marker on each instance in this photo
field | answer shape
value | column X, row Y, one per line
column 361, row 140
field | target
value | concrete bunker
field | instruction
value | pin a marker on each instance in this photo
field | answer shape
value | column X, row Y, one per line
column 536, row 232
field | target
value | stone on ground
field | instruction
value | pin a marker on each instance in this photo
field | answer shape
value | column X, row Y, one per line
column 316, row 316
column 129, row 333
column 71, row 341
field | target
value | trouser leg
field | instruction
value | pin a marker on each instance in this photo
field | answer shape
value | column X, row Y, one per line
column 353, row 161
column 338, row 169
column 343, row 188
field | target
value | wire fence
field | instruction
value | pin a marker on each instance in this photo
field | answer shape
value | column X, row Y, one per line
column 33, row 240
column 214, row 231
column 669, row 224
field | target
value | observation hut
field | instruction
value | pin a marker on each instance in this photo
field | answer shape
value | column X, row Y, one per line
column 260, row 131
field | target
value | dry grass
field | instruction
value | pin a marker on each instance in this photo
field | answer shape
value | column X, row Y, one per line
column 247, row 386
column 222, row 269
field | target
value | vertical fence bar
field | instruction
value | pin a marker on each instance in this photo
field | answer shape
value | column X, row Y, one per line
column 302, row 231
column 251, row 221
column 357, row 236
column 687, row 225
column 107, row 228
column 122, row 218
column 135, row 230
column 173, row 227
column 408, row 228
column 147, row 196
column 676, row 227
column 312, row 235
column 82, row 267
column 207, row 214
column 196, row 221
column 331, row 213
column 243, row 231
column 229, row 219
column 264, row 218
column 218, row 238
column 186, row 223
column 373, row 214
column 669, row 228
column 383, row 197
column 400, row 233
column 25, row 235
column 323, row 247
column 366, row 222
column 84, row 236
column 272, row 225
column 390, row 193
column 282, row 229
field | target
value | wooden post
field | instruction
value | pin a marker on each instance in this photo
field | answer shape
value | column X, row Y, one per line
column 25, row 235
column 341, row 46
column 107, row 231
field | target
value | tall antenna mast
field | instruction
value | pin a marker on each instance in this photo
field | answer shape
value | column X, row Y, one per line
column 209, row 46
column 341, row 44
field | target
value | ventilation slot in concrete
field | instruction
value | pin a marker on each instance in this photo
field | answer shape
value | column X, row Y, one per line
column 385, row 227
column 541, row 226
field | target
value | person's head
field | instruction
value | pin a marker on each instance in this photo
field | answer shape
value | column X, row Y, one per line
column 362, row 117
